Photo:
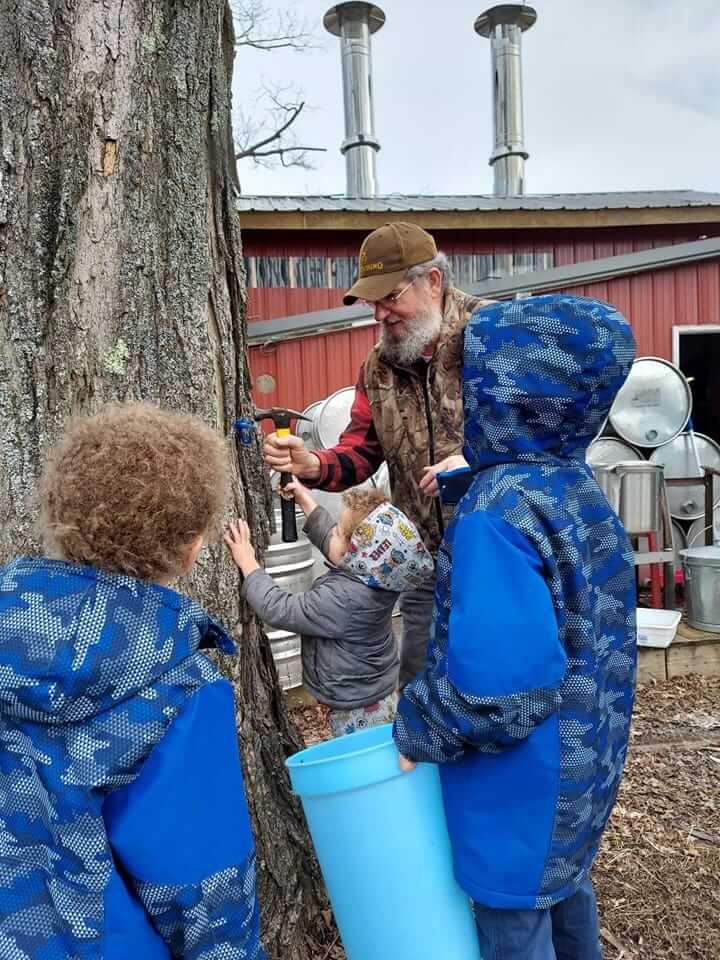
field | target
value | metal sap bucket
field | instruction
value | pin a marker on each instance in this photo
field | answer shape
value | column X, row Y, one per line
column 291, row 567
column 678, row 460
column 653, row 405
column 607, row 451
column 634, row 489
column 696, row 531
column 702, row 587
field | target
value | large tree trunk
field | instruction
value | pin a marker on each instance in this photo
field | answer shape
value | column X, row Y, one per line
column 121, row 276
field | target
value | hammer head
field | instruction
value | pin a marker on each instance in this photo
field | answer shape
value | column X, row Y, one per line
column 280, row 416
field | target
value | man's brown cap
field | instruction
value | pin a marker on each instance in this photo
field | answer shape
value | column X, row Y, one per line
column 385, row 256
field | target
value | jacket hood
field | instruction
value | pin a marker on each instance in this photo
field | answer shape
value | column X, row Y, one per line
column 540, row 376
column 75, row 641
column 387, row 552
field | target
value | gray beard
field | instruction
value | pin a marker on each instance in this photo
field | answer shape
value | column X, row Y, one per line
column 425, row 328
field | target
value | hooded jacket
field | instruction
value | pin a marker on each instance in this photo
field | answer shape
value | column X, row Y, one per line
column 124, row 830
column 349, row 654
column 527, row 698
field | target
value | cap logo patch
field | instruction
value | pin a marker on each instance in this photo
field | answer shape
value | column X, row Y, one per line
column 367, row 266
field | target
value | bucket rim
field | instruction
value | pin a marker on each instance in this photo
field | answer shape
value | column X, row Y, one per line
column 709, row 554
column 295, row 761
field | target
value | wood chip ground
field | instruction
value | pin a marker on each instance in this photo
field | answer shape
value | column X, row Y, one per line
column 658, row 872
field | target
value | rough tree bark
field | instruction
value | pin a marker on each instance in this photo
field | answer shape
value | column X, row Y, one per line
column 121, row 276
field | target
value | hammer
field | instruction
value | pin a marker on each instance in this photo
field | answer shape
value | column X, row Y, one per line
column 281, row 418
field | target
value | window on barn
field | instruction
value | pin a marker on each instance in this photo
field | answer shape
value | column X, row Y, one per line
column 339, row 273
column 271, row 271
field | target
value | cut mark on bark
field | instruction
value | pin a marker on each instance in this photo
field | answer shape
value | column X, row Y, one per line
column 109, row 157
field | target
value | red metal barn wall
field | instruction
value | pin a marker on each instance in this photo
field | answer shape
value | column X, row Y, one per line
column 657, row 301
column 310, row 368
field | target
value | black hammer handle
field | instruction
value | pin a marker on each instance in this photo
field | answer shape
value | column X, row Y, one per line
column 287, row 507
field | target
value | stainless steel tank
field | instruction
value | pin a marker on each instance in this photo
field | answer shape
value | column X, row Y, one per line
column 678, row 460
column 634, row 489
column 654, row 404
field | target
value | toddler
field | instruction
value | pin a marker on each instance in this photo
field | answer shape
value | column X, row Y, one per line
column 349, row 655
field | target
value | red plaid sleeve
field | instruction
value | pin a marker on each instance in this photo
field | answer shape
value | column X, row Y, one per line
column 358, row 453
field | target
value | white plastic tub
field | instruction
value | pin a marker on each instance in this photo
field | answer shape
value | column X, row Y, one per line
column 656, row 628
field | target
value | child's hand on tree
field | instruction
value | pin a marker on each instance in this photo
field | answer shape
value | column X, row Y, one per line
column 237, row 540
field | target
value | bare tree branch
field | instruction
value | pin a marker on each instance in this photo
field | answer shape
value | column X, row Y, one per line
column 280, row 116
column 277, row 108
column 256, row 27
column 295, row 112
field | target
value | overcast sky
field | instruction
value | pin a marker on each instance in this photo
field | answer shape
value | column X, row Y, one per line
column 620, row 95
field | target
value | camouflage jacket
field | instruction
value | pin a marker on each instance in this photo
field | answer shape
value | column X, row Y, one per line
column 418, row 415
column 410, row 417
column 124, row 828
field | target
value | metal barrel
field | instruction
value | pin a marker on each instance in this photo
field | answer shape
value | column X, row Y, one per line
column 678, row 460
column 332, row 418
column 607, row 451
column 304, row 428
column 654, row 404
column 696, row 530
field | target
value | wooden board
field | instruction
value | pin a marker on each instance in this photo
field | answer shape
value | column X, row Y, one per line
column 651, row 664
column 693, row 651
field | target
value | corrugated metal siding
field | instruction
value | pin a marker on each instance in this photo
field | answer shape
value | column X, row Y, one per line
column 311, row 368
column 636, row 199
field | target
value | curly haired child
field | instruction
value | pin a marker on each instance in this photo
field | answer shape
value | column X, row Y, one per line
column 125, row 826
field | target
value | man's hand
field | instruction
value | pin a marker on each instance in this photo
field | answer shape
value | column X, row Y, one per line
column 406, row 765
column 237, row 540
column 429, row 484
column 295, row 490
column 290, row 455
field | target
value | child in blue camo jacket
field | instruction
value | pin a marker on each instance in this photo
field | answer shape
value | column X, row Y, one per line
column 527, row 696
column 124, row 830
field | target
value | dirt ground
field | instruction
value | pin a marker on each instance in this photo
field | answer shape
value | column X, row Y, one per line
column 658, row 872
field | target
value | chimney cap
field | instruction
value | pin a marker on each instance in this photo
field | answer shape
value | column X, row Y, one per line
column 332, row 21
column 505, row 13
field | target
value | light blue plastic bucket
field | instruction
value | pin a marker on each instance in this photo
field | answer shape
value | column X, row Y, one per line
column 382, row 844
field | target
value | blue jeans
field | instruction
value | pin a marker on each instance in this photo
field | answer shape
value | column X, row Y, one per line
column 567, row 931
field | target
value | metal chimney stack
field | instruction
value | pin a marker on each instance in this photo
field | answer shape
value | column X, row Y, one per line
column 504, row 25
column 355, row 23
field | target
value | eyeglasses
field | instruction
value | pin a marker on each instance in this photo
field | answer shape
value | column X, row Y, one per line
column 390, row 300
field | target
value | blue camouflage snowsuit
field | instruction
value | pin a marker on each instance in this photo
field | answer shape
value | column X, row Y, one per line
column 527, row 697
column 124, row 830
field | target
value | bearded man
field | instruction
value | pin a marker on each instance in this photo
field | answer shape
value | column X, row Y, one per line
column 407, row 408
